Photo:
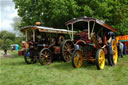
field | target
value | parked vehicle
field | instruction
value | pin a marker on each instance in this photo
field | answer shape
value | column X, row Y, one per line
column 44, row 43
column 91, row 42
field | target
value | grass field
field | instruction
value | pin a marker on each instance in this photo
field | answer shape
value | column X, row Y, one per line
column 14, row 71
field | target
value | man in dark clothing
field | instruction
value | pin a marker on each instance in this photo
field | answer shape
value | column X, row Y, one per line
column 5, row 51
column 109, row 48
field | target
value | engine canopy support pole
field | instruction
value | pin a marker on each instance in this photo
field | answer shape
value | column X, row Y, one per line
column 72, row 33
column 89, row 30
column 93, row 27
column 69, row 32
column 33, row 35
column 26, row 35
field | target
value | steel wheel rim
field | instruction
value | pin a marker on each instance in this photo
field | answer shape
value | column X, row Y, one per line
column 78, row 59
column 45, row 57
column 67, row 51
column 114, row 49
column 101, row 59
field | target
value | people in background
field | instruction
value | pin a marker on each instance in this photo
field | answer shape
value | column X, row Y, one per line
column 5, row 51
column 121, row 46
column 125, row 49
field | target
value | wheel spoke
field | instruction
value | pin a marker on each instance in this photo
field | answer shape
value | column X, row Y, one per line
column 48, row 54
column 65, row 47
column 45, row 52
column 42, row 54
column 69, row 45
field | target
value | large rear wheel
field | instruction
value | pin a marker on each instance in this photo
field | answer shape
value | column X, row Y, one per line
column 45, row 56
column 30, row 56
column 77, row 59
column 100, row 59
column 67, row 48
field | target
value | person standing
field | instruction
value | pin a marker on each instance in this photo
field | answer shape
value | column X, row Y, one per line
column 121, row 46
column 5, row 51
column 125, row 49
column 110, row 37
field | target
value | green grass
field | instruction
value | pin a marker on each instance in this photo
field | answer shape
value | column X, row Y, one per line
column 14, row 71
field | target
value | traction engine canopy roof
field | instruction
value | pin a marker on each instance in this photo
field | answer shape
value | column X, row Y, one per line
column 87, row 19
column 47, row 29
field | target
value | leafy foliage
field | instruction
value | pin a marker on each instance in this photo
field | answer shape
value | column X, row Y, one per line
column 16, row 23
column 56, row 12
column 8, row 38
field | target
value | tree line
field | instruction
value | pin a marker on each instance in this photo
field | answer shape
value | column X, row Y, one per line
column 8, row 38
column 55, row 13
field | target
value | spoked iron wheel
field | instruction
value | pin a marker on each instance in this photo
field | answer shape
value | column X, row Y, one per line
column 100, row 59
column 45, row 56
column 30, row 56
column 77, row 59
column 67, row 48
column 115, row 52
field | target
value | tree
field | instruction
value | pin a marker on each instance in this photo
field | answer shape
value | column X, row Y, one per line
column 55, row 13
column 1, row 42
column 7, row 35
column 16, row 23
column 119, row 18
column 6, row 39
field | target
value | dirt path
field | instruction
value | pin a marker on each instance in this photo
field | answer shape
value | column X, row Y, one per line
column 3, row 56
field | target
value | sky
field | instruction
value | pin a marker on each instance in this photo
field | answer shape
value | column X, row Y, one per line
column 7, row 13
